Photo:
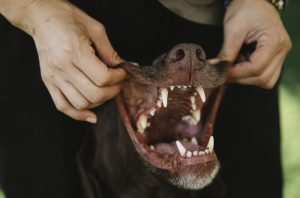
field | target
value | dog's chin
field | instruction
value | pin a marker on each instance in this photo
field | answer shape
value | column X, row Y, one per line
column 192, row 181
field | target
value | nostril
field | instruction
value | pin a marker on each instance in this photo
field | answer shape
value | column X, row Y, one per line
column 179, row 54
column 200, row 55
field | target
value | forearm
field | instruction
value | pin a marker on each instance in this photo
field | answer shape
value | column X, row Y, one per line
column 29, row 14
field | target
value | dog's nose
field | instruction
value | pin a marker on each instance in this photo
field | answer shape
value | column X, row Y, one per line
column 186, row 53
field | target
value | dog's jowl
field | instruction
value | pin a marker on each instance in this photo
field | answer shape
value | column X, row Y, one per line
column 156, row 140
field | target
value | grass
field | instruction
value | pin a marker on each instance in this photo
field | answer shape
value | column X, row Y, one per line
column 290, row 120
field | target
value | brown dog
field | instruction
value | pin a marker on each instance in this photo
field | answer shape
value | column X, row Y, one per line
column 157, row 141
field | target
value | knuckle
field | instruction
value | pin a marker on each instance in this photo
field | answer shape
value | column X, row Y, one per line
column 262, row 81
column 76, row 115
column 99, row 81
column 267, row 86
column 61, row 107
column 289, row 44
column 99, row 28
column 102, row 80
column 82, row 106
column 67, row 44
column 97, row 98
column 256, row 71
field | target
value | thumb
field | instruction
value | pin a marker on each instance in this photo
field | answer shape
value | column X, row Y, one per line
column 233, row 41
column 104, row 48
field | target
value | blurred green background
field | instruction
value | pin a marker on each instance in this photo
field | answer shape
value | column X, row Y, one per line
column 289, row 105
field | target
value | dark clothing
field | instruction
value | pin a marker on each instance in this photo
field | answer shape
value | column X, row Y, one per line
column 38, row 144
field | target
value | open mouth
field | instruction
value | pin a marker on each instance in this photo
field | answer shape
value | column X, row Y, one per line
column 169, row 109
column 174, row 128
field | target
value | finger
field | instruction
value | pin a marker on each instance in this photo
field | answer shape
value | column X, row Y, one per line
column 96, row 70
column 86, row 87
column 107, row 94
column 258, row 61
column 73, row 95
column 274, row 79
column 233, row 41
column 103, row 46
column 63, row 105
column 264, row 79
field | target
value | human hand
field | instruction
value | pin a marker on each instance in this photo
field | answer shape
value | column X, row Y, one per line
column 249, row 21
column 68, row 42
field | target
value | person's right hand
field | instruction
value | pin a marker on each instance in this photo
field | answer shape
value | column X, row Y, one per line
column 69, row 42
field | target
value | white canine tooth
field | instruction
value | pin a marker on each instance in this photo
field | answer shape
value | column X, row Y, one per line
column 206, row 151
column 164, row 96
column 152, row 111
column 159, row 103
column 201, row 152
column 152, row 148
column 189, row 154
column 194, row 141
column 180, row 148
column 172, row 88
column 193, row 99
column 210, row 144
column 197, row 115
column 201, row 93
column 142, row 123
column 195, row 153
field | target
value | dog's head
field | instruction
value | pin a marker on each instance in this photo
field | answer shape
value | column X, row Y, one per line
column 169, row 108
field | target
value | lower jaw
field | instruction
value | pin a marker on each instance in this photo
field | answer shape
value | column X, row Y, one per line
column 174, row 163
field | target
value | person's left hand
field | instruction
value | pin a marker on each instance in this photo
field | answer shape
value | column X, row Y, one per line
column 248, row 21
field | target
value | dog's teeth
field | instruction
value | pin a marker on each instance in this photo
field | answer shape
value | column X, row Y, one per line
column 152, row 111
column 201, row 152
column 164, row 96
column 142, row 123
column 197, row 115
column 206, row 151
column 193, row 99
column 184, row 86
column 179, row 86
column 189, row 119
column 195, row 153
column 194, row 141
column 180, row 148
column 152, row 148
column 158, row 103
column 194, row 107
column 210, row 144
column 189, row 154
column 172, row 88
column 201, row 93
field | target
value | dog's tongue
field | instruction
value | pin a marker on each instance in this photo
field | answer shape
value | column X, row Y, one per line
column 171, row 148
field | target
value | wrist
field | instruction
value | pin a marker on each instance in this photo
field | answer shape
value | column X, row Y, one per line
column 278, row 4
column 29, row 15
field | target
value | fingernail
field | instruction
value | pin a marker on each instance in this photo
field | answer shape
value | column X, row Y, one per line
column 91, row 120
